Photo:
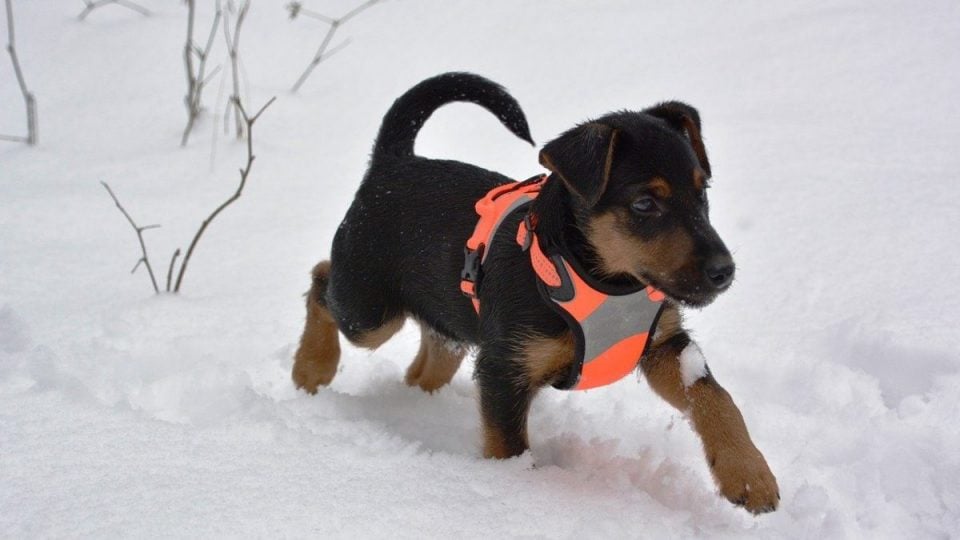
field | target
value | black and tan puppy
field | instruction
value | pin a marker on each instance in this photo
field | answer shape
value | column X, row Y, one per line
column 626, row 198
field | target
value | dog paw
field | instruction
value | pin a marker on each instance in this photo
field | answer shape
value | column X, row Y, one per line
column 745, row 480
column 309, row 377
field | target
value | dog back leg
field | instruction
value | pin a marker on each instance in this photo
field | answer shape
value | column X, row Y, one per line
column 436, row 362
column 364, row 319
column 316, row 360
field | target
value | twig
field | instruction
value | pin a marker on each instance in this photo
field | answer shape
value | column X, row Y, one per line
column 29, row 100
column 296, row 8
column 244, row 174
column 233, row 46
column 214, row 133
column 196, row 79
column 145, row 260
column 188, row 65
column 94, row 4
column 173, row 261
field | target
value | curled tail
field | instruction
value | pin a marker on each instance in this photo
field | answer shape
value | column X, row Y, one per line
column 408, row 113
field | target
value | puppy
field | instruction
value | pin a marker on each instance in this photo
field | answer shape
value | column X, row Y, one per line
column 626, row 198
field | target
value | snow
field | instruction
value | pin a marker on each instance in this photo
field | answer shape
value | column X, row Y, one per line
column 832, row 130
column 693, row 365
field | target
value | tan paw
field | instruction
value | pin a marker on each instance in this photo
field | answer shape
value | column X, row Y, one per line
column 745, row 480
column 311, row 375
column 436, row 362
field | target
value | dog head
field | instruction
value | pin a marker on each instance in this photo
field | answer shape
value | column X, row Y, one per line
column 637, row 186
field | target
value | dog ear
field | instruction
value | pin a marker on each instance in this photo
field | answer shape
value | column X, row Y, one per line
column 686, row 120
column 582, row 158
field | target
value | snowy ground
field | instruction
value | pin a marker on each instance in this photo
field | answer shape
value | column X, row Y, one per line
column 833, row 131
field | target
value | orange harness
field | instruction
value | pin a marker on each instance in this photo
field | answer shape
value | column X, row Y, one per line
column 611, row 328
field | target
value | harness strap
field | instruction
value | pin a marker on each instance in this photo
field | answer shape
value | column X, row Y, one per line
column 493, row 208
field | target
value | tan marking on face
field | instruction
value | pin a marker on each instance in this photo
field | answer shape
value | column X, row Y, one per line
column 435, row 363
column 315, row 362
column 623, row 253
column 659, row 187
column 547, row 357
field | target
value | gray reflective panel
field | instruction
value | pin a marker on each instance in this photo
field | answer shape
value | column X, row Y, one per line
column 617, row 318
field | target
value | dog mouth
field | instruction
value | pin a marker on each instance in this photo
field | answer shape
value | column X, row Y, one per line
column 698, row 296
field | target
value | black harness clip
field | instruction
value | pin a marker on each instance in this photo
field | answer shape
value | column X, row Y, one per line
column 472, row 271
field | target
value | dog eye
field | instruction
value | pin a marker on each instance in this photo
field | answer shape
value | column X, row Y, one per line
column 645, row 206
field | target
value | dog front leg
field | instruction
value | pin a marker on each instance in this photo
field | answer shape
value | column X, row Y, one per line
column 677, row 372
column 505, row 396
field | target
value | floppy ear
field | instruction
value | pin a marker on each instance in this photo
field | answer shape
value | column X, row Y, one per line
column 686, row 120
column 582, row 158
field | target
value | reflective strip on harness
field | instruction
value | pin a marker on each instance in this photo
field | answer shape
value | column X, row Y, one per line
column 612, row 331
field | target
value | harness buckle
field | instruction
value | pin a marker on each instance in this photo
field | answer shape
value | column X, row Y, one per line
column 471, row 274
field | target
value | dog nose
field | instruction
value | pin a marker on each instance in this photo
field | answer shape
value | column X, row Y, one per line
column 719, row 271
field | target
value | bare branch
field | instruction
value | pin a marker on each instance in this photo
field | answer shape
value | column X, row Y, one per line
column 173, row 262
column 250, row 121
column 315, row 15
column 317, row 58
column 233, row 46
column 335, row 49
column 214, row 133
column 196, row 76
column 130, row 5
column 357, row 10
column 213, row 32
column 29, row 100
column 210, row 76
column 244, row 174
column 145, row 260
column 296, row 8
column 94, row 4
column 188, row 52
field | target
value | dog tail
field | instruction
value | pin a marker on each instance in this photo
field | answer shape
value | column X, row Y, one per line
column 408, row 113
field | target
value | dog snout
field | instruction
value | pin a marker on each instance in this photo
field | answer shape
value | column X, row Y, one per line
column 719, row 270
